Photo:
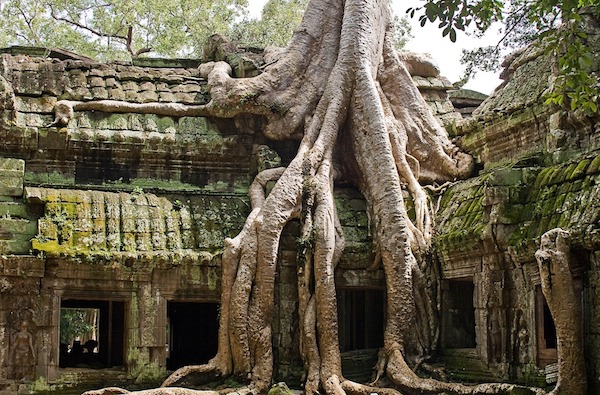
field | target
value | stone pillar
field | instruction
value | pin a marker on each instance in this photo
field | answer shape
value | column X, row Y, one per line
column 490, row 311
column 48, row 336
column 21, row 335
column 147, row 343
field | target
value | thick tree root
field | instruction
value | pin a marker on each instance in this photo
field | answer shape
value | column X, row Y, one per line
column 171, row 391
column 65, row 109
column 210, row 369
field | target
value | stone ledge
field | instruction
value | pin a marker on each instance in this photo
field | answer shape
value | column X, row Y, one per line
column 22, row 266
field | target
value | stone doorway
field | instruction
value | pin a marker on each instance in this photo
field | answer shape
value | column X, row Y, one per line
column 97, row 333
column 361, row 318
column 458, row 313
column 192, row 333
column 545, row 330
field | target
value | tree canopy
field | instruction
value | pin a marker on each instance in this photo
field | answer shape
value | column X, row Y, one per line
column 558, row 25
column 121, row 29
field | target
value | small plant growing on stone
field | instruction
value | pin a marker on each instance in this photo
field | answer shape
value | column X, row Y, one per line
column 136, row 192
column 177, row 205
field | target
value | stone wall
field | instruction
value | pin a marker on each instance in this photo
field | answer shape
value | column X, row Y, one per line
column 117, row 148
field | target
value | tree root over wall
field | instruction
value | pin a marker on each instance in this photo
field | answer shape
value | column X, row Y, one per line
column 342, row 90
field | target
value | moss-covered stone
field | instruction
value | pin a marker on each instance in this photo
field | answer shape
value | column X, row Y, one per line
column 280, row 389
column 579, row 171
column 594, row 166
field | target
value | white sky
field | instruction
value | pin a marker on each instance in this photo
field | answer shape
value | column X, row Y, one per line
column 429, row 39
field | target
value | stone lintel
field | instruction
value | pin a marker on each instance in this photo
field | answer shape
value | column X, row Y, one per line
column 22, row 266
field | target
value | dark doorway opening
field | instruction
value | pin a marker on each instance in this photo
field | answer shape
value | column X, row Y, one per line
column 458, row 314
column 192, row 333
column 92, row 333
column 546, row 331
column 361, row 318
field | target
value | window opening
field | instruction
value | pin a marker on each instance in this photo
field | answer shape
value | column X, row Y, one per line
column 91, row 334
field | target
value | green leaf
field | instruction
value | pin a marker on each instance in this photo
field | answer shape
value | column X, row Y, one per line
column 453, row 35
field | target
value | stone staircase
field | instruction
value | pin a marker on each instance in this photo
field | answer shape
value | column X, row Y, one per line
column 358, row 365
column 465, row 366
column 77, row 380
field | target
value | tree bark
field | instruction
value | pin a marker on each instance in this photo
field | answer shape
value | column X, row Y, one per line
column 554, row 259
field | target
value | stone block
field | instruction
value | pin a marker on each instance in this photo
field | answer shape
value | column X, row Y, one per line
column 27, row 83
column 162, row 87
column 131, row 96
column 52, row 139
column 507, row 177
column 494, row 196
column 130, row 86
column 147, row 86
column 26, row 64
column 11, row 176
column 14, row 209
column 112, row 83
column 15, row 247
column 113, row 122
column 187, row 88
column 148, row 96
column 21, row 266
column 33, row 120
column 173, row 78
column 43, row 105
column 95, row 82
column 77, row 78
column 81, row 93
column 12, row 228
column 100, row 93
column 166, row 97
column 186, row 98
column 116, row 94
column 445, row 107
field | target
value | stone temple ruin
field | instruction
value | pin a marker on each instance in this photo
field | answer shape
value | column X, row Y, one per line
column 122, row 217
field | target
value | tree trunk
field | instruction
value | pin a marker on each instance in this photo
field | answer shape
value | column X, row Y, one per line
column 553, row 259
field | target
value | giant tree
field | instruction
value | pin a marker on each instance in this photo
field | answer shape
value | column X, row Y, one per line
column 343, row 91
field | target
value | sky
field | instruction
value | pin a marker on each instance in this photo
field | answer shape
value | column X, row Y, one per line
column 429, row 39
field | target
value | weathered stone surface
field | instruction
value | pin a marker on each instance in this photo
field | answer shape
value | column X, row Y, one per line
column 11, row 176
column 43, row 105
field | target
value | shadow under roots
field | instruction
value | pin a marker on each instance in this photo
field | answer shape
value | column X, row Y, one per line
column 208, row 380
